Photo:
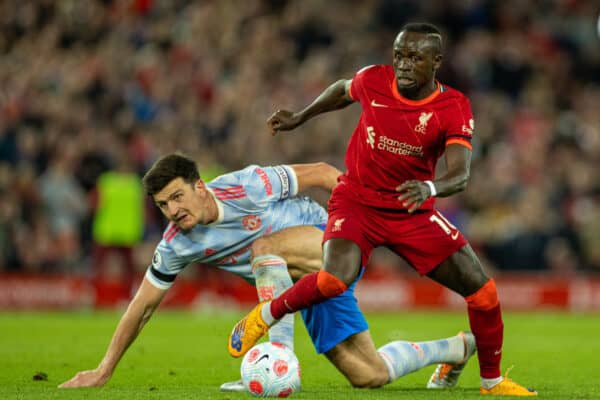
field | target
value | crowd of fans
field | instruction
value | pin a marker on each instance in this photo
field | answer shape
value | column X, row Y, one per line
column 89, row 85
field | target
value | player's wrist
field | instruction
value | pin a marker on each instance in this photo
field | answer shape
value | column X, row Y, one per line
column 432, row 189
column 302, row 116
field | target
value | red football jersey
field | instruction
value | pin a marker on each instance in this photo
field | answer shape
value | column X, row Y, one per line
column 397, row 139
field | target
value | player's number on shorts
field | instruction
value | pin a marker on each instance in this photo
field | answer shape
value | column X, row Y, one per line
column 443, row 223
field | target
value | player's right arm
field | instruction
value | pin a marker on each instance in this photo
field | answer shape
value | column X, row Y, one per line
column 335, row 97
column 139, row 311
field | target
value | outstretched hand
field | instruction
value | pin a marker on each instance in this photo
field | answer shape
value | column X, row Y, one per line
column 414, row 193
column 86, row 379
column 282, row 120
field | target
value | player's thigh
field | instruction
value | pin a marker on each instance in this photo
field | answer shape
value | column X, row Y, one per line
column 358, row 360
column 300, row 246
column 462, row 272
column 342, row 258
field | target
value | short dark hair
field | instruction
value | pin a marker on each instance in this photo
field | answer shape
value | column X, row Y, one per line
column 421, row 27
column 426, row 28
column 167, row 168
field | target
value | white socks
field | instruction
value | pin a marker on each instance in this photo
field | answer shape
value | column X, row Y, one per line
column 490, row 383
column 272, row 278
column 266, row 315
column 402, row 357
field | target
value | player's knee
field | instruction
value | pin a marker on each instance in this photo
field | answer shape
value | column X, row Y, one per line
column 329, row 285
column 485, row 298
column 261, row 246
column 340, row 270
column 342, row 258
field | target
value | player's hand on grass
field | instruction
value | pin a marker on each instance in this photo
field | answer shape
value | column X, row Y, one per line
column 413, row 194
column 282, row 120
column 90, row 378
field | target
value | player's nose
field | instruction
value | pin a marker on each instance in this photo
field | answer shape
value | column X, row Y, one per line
column 405, row 64
column 172, row 209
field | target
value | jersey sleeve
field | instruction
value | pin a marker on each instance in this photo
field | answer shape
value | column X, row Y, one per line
column 254, row 187
column 460, row 124
column 166, row 264
column 270, row 184
column 357, row 85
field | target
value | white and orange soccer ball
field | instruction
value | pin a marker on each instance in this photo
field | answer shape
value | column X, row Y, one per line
column 271, row 369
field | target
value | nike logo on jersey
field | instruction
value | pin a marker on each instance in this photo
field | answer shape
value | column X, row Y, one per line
column 376, row 104
column 454, row 236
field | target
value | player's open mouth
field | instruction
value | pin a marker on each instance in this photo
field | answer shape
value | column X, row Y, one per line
column 405, row 81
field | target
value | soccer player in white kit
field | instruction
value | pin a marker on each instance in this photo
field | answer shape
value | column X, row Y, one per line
column 249, row 222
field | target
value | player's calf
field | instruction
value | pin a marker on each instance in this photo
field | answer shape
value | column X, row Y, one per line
column 370, row 377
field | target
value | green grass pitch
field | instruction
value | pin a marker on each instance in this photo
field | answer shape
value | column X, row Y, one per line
column 182, row 355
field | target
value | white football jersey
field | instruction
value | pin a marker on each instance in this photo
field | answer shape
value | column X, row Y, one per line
column 252, row 202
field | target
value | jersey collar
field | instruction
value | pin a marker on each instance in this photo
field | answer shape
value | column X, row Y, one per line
column 221, row 213
column 438, row 89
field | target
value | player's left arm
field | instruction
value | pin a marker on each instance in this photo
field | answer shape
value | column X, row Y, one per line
column 457, row 153
column 320, row 174
column 458, row 167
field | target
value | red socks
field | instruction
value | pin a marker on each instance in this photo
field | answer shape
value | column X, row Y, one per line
column 485, row 318
column 311, row 289
column 303, row 294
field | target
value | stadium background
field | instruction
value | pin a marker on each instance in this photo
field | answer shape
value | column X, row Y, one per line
column 93, row 90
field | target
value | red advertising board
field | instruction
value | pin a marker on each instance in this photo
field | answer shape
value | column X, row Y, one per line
column 381, row 291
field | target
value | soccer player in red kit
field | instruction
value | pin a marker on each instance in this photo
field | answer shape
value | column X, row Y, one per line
column 386, row 197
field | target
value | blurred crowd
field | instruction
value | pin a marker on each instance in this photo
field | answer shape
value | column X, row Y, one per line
column 106, row 86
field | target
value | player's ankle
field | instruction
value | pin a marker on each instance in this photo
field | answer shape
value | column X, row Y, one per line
column 488, row 383
column 266, row 315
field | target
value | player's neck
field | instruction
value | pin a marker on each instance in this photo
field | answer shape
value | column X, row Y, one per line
column 420, row 93
column 212, row 209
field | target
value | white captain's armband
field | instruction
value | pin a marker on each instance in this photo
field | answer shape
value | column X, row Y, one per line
column 282, row 173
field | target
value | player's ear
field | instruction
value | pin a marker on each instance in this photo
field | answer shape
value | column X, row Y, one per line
column 437, row 61
column 200, row 184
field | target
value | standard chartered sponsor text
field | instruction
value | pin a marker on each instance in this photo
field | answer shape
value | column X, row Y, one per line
column 400, row 148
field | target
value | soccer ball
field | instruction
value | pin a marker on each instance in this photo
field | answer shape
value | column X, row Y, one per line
column 270, row 369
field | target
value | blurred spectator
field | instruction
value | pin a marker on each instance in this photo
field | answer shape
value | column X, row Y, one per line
column 118, row 222
column 153, row 76
column 65, row 205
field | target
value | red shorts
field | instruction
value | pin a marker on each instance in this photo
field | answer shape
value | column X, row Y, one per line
column 424, row 239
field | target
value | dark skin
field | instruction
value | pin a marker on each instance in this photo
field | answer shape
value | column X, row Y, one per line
column 416, row 59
